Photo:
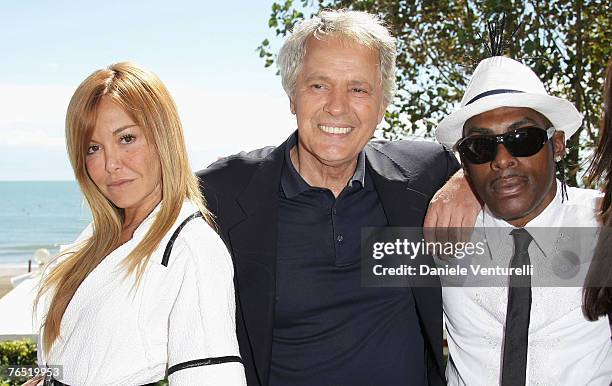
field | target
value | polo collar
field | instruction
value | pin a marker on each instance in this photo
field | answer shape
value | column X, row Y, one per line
column 292, row 182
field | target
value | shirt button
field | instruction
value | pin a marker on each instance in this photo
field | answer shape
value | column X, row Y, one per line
column 335, row 211
column 339, row 238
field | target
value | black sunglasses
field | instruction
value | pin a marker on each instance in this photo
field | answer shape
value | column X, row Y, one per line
column 523, row 142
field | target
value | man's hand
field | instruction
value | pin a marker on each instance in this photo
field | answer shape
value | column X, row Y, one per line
column 36, row 381
column 452, row 211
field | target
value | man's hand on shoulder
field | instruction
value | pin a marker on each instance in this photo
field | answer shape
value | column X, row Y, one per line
column 452, row 211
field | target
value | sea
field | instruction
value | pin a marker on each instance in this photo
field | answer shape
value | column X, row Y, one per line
column 39, row 214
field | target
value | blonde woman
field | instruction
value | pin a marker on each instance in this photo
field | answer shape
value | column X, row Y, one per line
column 147, row 289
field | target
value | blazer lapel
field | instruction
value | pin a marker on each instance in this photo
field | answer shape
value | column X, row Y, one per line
column 406, row 207
column 254, row 245
column 403, row 205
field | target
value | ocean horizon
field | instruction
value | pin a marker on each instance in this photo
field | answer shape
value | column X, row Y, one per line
column 39, row 214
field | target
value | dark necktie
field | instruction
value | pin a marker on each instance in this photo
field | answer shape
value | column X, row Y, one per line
column 514, row 364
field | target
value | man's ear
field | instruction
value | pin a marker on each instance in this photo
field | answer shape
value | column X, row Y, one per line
column 292, row 106
column 381, row 112
column 558, row 142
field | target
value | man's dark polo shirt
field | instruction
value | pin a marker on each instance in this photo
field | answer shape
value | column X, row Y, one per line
column 328, row 330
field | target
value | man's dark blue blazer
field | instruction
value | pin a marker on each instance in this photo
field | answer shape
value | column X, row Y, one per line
column 242, row 191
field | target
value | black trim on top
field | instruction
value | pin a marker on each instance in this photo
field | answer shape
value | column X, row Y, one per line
column 202, row 362
column 493, row 92
column 168, row 249
column 55, row 382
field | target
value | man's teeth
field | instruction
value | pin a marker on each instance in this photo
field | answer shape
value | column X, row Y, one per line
column 335, row 130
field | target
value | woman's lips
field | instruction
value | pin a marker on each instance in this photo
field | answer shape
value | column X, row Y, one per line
column 506, row 186
column 118, row 184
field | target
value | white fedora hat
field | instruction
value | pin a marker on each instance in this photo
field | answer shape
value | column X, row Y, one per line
column 504, row 82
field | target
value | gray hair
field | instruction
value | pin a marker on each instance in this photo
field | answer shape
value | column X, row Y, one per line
column 360, row 27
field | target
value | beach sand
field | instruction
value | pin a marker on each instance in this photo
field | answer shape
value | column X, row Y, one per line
column 6, row 273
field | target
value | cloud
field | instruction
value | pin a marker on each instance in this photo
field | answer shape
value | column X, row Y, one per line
column 33, row 116
column 226, row 121
column 34, row 104
column 31, row 138
column 217, row 122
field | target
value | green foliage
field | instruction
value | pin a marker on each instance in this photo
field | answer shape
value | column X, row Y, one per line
column 16, row 352
column 23, row 352
column 567, row 43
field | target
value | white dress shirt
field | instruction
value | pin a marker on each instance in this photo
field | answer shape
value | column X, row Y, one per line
column 564, row 348
column 113, row 335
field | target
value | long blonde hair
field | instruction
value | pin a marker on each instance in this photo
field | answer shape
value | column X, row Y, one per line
column 146, row 100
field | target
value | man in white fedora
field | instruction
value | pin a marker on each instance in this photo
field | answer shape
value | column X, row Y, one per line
column 510, row 133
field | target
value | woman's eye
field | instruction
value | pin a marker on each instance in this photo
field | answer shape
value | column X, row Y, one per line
column 92, row 149
column 128, row 138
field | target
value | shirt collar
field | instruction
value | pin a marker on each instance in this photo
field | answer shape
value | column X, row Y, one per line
column 292, row 182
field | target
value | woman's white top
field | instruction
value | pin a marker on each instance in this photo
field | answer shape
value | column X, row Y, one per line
column 185, row 311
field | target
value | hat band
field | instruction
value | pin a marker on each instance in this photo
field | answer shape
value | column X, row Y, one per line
column 493, row 92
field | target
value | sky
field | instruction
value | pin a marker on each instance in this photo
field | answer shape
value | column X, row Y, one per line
column 204, row 52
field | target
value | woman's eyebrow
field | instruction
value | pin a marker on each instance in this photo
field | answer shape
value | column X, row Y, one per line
column 120, row 129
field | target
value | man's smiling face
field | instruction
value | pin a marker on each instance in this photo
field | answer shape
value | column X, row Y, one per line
column 338, row 100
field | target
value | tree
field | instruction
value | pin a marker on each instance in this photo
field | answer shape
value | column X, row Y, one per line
column 567, row 43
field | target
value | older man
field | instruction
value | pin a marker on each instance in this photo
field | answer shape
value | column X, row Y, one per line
column 291, row 217
column 510, row 133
